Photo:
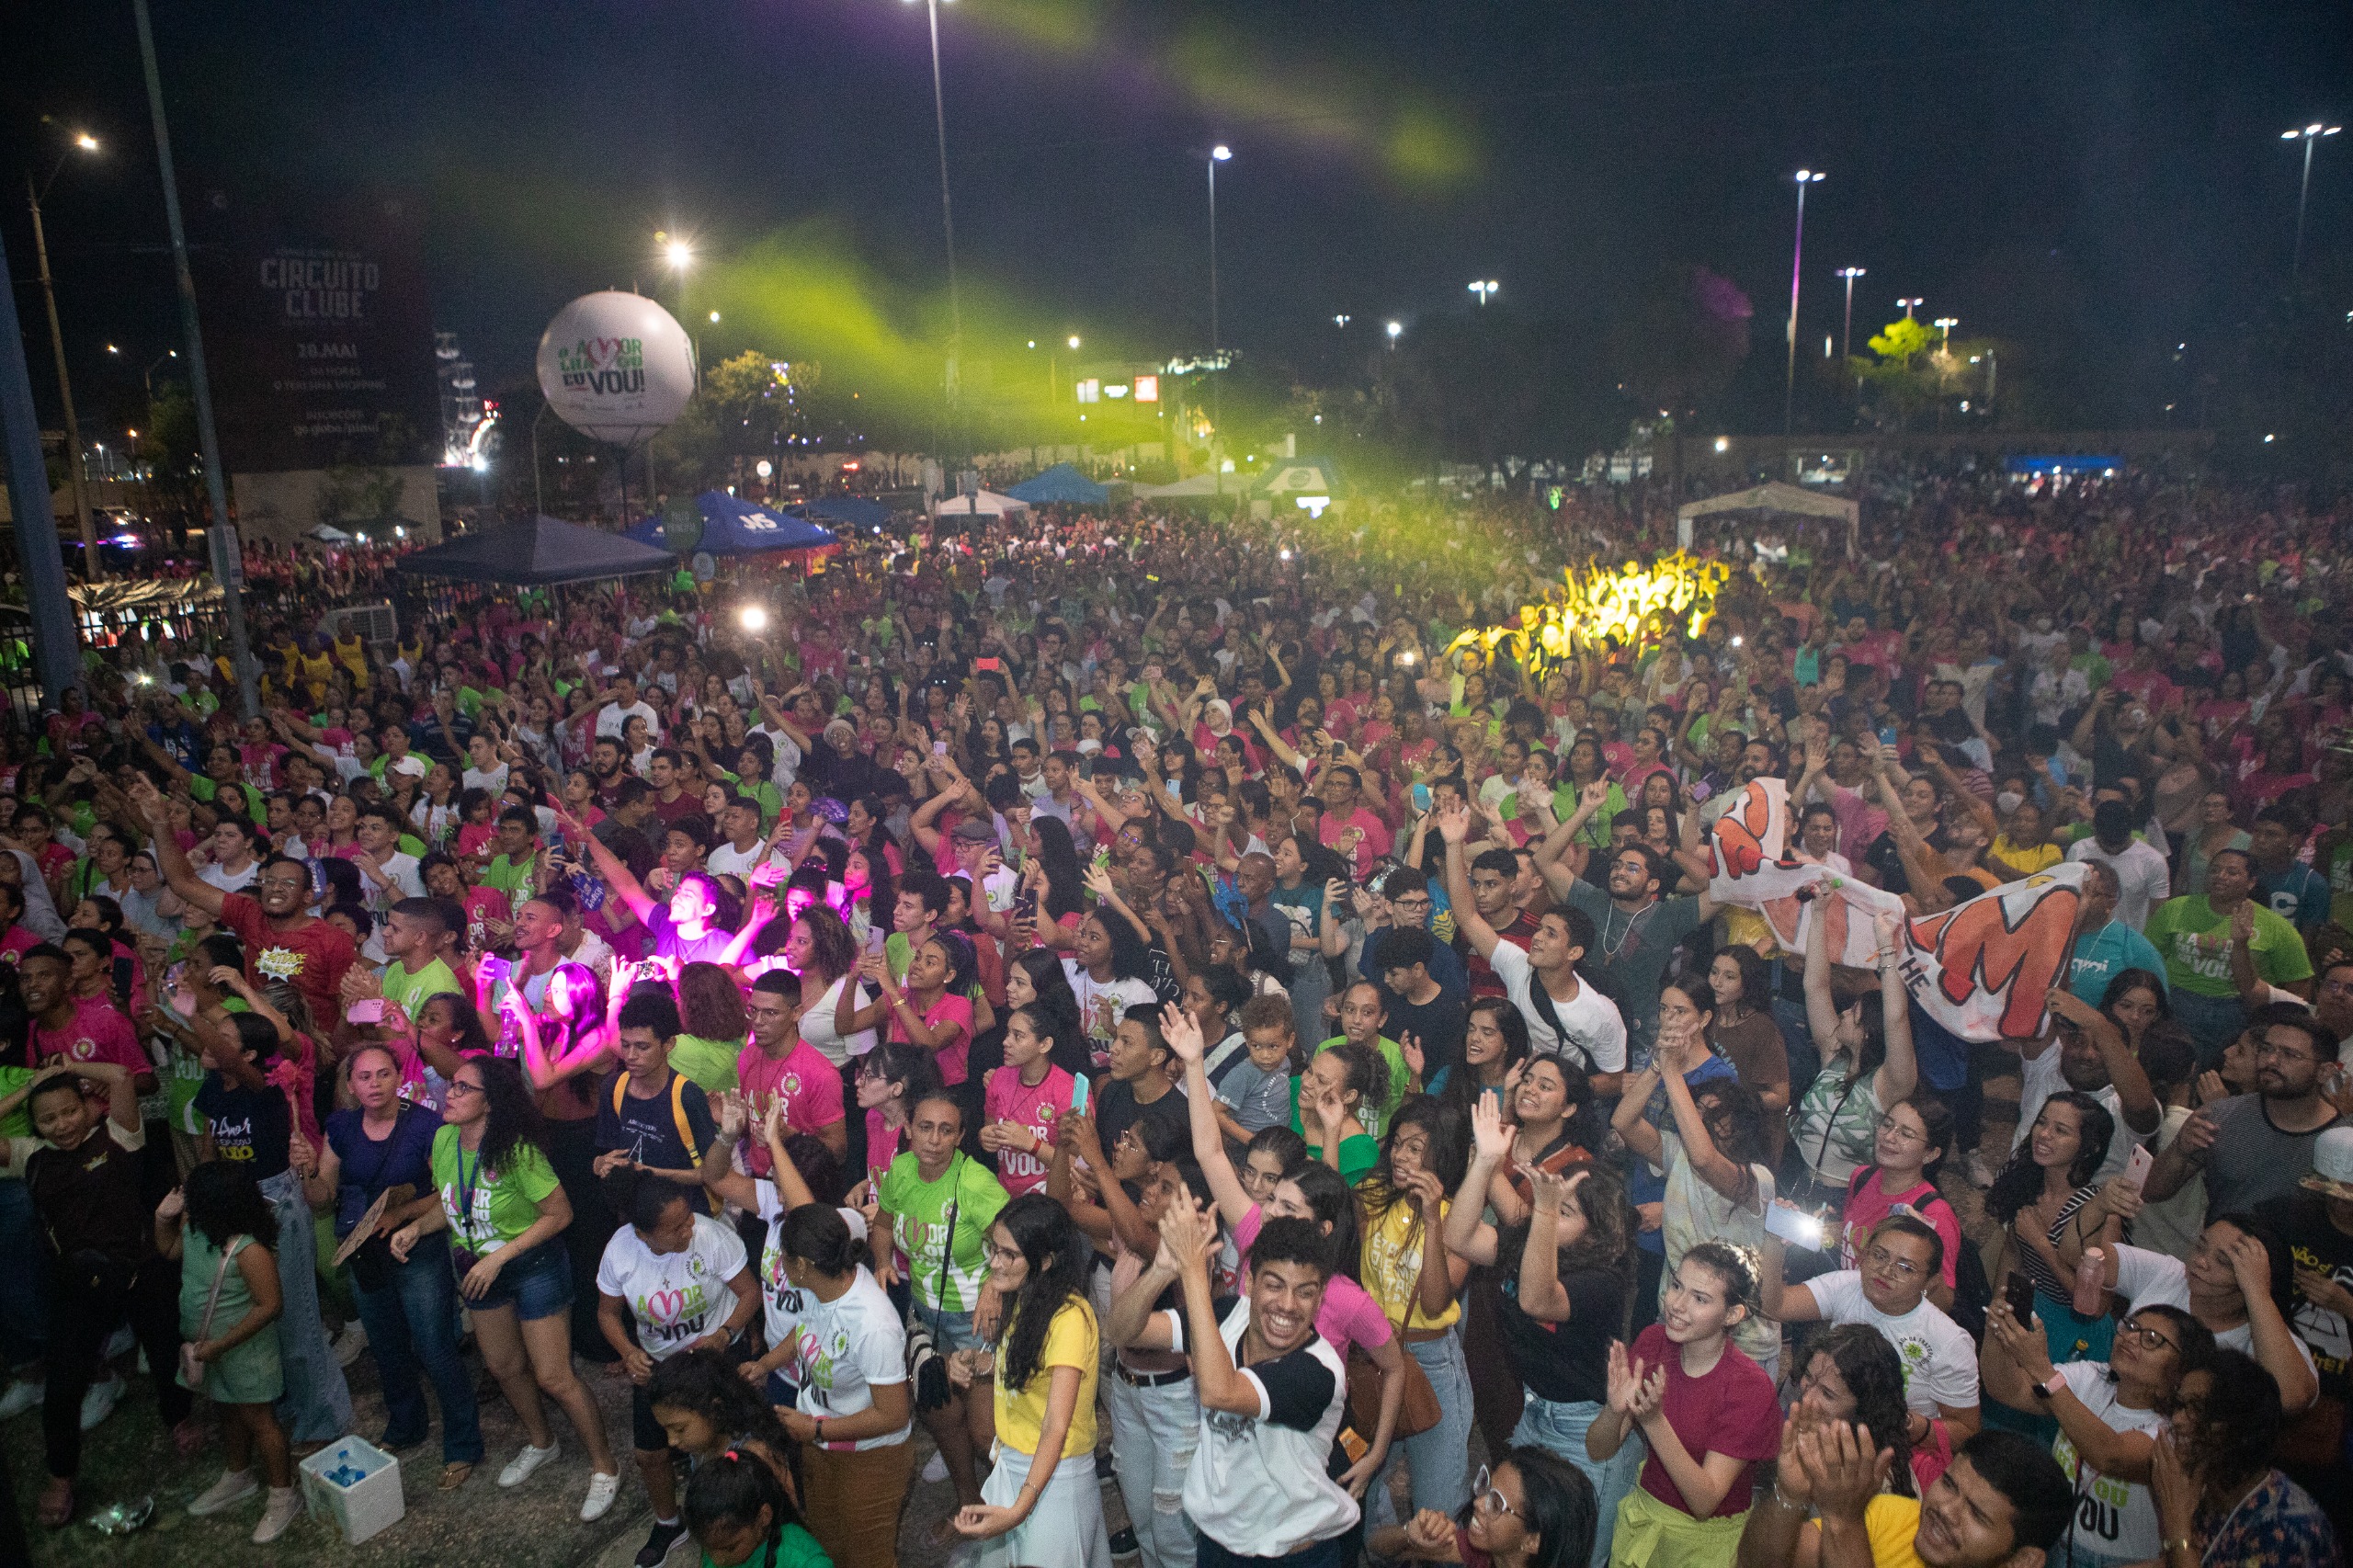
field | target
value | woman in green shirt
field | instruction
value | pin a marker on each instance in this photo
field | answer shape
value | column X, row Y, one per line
column 716, row 1027
column 502, row 1204
column 741, row 1516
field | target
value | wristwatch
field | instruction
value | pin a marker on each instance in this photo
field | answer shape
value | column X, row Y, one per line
column 2051, row 1385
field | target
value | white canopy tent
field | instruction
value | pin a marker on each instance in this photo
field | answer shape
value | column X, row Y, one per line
column 987, row 504
column 1774, row 495
column 1200, row 484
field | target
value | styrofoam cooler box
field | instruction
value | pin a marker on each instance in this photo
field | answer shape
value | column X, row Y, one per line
column 365, row 1506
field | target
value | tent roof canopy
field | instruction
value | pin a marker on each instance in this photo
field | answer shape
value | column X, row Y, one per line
column 987, row 504
column 731, row 525
column 1774, row 495
column 544, row 550
column 1064, row 483
column 855, row 510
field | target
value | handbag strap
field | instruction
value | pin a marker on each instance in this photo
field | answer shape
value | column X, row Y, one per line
column 219, row 1277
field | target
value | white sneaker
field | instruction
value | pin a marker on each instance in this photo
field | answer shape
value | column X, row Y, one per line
column 602, row 1490
column 117, row 1343
column 518, row 1468
column 935, row 1467
column 285, row 1507
column 233, row 1488
column 23, row 1394
column 349, row 1343
column 100, row 1402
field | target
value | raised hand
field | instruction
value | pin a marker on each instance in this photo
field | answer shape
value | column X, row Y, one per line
column 1845, row 1469
column 1187, row 1231
column 1491, row 1135
column 1183, row 1034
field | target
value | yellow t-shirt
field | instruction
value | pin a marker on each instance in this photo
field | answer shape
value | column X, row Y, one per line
column 2041, row 858
column 1393, row 1264
column 1891, row 1523
column 1072, row 1340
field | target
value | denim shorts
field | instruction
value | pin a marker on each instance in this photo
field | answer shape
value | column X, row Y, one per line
column 536, row 1285
column 951, row 1331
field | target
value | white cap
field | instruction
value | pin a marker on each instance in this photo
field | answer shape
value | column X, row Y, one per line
column 2332, row 1173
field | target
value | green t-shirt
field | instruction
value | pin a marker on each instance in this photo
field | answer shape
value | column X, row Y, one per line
column 1375, row 1117
column 919, row 1211
column 202, row 789
column 489, row 1208
column 709, row 1064
column 18, row 1123
column 410, row 990
column 795, row 1548
column 512, row 878
column 2195, row 943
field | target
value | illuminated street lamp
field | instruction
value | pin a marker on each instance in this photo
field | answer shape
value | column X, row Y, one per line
column 1907, row 305
column 2307, row 136
column 1218, row 155
column 1797, row 250
column 1483, row 289
column 83, row 141
column 1846, row 344
column 1945, row 324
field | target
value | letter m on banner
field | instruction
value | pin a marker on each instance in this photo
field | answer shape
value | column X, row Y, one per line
column 1984, row 968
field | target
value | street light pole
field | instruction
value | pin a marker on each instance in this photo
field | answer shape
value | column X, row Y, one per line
column 75, row 473
column 227, row 554
column 147, row 376
column 1847, row 343
column 1797, row 252
column 947, row 211
column 2308, row 135
column 1907, row 304
column 1218, row 155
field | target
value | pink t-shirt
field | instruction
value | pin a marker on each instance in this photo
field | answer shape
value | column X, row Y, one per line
column 1035, row 1107
column 1348, row 1316
column 949, row 1009
column 810, row 1086
column 882, row 1145
column 1866, row 1206
column 98, row 1032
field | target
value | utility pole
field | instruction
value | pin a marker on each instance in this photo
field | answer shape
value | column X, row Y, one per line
column 228, row 557
column 56, row 655
column 74, row 474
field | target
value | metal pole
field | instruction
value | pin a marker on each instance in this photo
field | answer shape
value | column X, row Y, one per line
column 1797, row 250
column 1847, row 341
column 56, row 657
column 74, row 474
column 207, row 438
column 2297, row 269
column 539, row 499
column 1213, row 337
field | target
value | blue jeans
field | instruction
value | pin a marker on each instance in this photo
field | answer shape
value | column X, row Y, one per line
column 1797, row 1038
column 1154, row 1432
column 1323, row 1554
column 409, row 1321
column 2213, row 1021
column 23, row 1290
column 1441, row 1458
column 317, row 1406
column 1560, row 1429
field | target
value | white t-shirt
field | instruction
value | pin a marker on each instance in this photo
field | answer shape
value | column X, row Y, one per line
column 1595, row 1029
column 676, row 1297
column 2040, row 1078
column 495, row 781
column 729, row 862
column 401, row 878
column 1256, row 1482
column 2148, row 1278
column 2142, row 880
column 2115, row 1519
column 1940, row 1359
column 817, row 1025
column 1100, row 1007
column 612, row 718
column 851, row 1345
column 787, row 766
column 231, row 881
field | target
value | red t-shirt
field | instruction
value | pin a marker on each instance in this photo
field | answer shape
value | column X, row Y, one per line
column 810, row 1086
column 1866, row 1206
column 1732, row 1410
column 97, row 1032
column 1035, row 1107
column 312, row 958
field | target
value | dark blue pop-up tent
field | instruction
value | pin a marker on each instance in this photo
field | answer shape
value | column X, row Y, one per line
column 851, row 511
column 545, row 549
column 1061, row 484
column 734, row 527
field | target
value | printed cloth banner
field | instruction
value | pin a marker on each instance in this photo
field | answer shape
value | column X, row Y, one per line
column 1983, row 969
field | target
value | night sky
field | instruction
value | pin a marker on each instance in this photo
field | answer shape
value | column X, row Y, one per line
column 2105, row 174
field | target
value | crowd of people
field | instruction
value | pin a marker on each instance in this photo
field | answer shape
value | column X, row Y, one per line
column 1125, row 997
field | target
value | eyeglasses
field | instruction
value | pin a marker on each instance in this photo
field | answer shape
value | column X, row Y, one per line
column 2149, row 1338
column 1882, row 1259
column 1003, row 1254
column 1896, row 1128
column 2281, row 1053
column 1485, row 1497
column 459, row 1086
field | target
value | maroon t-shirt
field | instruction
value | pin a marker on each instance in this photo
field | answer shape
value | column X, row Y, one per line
column 312, row 959
column 1732, row 1410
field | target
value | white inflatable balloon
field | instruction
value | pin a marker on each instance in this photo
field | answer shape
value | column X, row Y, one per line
column 615, row 367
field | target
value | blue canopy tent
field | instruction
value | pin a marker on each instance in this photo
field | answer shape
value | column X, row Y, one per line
column 851, row 511
column 542, row 550
column 735, row 527
column 1061, row 484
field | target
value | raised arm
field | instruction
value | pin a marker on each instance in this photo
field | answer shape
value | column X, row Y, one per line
column 1185, row 1042
column 618, row 877
column 1454, row 826
column 1466, row 1237
column 180, row 873
column 1899, row 1074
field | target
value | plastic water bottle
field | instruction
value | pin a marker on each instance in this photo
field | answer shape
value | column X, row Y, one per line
column 2091, row 1283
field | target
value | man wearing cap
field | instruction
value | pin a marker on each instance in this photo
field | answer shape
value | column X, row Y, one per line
column 2257, row 1147
column 2316, row 1223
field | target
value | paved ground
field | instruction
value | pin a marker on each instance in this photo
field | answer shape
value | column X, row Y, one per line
column 480, row 1526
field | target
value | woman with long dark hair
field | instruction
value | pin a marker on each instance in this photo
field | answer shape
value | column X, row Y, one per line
column 2035, row 1199
column 1036, row 979
column 1528, row 1510
column 1041, row 1506
column 741, row 1516
column 1055, row 879
column 1114, row 973
column 566, row 1045
column 1494, row 1042
column 502, row 1203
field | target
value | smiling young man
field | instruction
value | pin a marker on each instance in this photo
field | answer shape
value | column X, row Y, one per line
column 1272, row 1392
column 2002, row 1504
column 651, row 1116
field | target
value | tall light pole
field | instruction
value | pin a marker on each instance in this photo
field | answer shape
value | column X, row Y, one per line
column 1484, row 289
column 1945, row 324
column 1218, row 155
column 1907, row 304
column 1395, row 330
column 228, row 555
column 74, row 474
column 1797, row 252
column 946, row 210
column 1847, row 344
column 2307, row 136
